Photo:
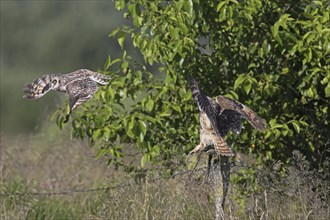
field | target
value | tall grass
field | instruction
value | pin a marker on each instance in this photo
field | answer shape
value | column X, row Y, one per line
column 48, row 164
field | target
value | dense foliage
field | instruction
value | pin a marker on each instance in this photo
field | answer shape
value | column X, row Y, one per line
column 271, row 55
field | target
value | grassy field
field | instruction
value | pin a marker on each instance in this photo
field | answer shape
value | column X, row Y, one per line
column 53, row 163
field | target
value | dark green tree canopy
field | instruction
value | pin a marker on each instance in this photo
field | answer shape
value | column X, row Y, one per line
column 271, row 55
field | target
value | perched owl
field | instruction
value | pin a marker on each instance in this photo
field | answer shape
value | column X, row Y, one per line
column 80, row 85
column 218, row 117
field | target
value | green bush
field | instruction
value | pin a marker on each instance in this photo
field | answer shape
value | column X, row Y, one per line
column 271, row 55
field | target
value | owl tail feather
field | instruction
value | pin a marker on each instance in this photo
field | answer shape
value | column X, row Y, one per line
column 222, row 148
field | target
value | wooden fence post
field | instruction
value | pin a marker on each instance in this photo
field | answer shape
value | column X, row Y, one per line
column 219, row 169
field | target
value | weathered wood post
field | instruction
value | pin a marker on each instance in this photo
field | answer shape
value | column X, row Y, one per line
column 220, row 165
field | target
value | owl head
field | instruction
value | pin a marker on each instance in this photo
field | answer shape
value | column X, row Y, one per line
column 55, row 82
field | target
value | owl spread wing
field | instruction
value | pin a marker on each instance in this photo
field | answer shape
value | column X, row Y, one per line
column 231, row 110
column 230, row 120
column 80, row 91
column 86, row 74
column 204, row 105
column 37, row 88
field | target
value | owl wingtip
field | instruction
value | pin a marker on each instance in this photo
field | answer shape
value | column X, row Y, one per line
column 191, row 80
column 263, row 128
column 262, row 125
column 25, row 88
column 28, row 96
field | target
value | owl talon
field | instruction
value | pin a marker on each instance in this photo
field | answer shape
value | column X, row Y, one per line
column 193, row 151
column 197, row 160
column 67, row 117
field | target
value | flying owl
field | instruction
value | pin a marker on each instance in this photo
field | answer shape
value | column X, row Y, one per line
column 80, row 85
column 218, row 117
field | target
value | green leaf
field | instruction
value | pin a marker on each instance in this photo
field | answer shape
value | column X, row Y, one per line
column 187, row 96
column 130, row 127
column 272, row 122
column 121, row 38
column 310, row 92
column 285, row 70
column 115, row 61
column 240, row 79
column 101, row 152
column 268, row 134
column 296, row 126
column 155, row 151
column 303, row 123
column 220, row 5
column 120, row 4
column 327, row 90
column 251, row 65
column 165, row 113
column 285, row 130
column 232, row 95
column 275, row 33
column 143, row 127
column 176, row 108
column 168, row 79
column 247, row 86
column 188, row 7
column 266, row 47
column 107, row 63
column 96, row 134
column 114, row 32
column 150, row 104
column 325, row 80
column 145, row 158
column 124, row 66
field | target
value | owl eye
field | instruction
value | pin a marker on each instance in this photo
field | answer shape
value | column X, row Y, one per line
column 54, row 81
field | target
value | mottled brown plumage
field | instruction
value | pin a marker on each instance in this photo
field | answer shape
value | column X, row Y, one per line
column 80, row 86
column 230, row 104
column 209, row 137
column 218, row 117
